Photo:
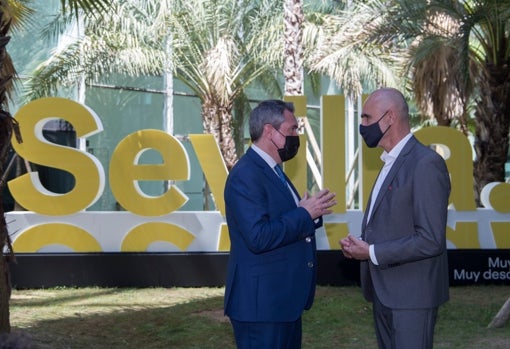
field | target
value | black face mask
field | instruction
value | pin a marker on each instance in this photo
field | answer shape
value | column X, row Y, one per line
column 290, row 148
column 372, row 134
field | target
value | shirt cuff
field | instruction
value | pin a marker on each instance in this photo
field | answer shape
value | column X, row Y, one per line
column 372, row 254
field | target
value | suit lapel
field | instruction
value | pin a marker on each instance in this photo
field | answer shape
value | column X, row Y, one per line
column 385, row 187
column 367, row 208
column 271, row 175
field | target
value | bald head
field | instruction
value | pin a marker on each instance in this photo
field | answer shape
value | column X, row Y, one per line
column 391, row 103
column 390, row 98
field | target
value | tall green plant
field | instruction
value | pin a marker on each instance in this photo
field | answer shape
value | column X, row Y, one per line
column 458, row 55
column 216, row 48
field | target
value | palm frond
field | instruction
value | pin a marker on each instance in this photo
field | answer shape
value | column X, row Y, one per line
column 93, row 7
column 15, row 15
column 338, row 46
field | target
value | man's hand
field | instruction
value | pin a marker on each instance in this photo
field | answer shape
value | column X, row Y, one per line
column 318, row 204
column 353, row 247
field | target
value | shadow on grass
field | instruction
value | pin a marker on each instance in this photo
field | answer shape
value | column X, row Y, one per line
column 340, row 318
column 190, row 325
column 40, row 301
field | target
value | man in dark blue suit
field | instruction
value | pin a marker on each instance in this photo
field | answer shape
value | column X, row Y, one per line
column 272, row 265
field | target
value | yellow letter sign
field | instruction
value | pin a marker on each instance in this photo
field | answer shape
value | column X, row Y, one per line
column 86, row 169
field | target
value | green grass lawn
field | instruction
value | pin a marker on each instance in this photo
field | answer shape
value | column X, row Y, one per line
column 193, row 318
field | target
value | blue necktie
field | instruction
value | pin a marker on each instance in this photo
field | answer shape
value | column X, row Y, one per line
column 285, row 183
column 280, row 174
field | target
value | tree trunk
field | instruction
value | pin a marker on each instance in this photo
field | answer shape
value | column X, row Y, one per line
column 7, row 126
column 217, row 120
column 492, row 127
column 502, row 316
column 5, row 284
column 227, row 144
column 293, row 50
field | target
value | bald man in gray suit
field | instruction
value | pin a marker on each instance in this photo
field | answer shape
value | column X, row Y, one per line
column 402, row 250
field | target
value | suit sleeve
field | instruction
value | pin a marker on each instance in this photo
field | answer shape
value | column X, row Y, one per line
column 262, row 215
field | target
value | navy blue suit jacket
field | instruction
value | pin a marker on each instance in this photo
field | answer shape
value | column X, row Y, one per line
column 272, row 264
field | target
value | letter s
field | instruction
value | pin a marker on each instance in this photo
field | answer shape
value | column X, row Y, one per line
column 86, row 169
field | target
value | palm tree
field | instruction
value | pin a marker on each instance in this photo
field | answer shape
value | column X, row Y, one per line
column 212, row 51
column 336, row 45
column 121, row 41
column 458, row 56
column 421, row 39
column 335, row 41
column 215, row 45
column 12, row 15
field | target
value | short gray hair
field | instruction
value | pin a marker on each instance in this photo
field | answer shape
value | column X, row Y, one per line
column 268, row 112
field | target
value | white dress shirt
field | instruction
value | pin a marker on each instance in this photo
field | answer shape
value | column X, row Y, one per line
column 389, row 160
column 272, row 163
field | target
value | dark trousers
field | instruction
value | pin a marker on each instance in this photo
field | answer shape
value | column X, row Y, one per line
column 404, row 328
column 267, row 335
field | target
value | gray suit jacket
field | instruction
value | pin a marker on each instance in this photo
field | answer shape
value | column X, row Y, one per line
column 408, row 230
